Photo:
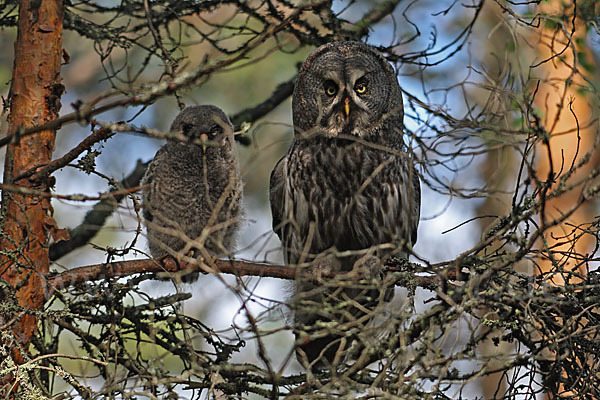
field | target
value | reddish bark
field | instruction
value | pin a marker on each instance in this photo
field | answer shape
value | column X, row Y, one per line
column 568, row 119
column 34, row 99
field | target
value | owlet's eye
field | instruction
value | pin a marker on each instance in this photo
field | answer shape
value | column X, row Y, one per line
column 186, row 128
column 215, row 130
column 330, row 88
column 360, row 87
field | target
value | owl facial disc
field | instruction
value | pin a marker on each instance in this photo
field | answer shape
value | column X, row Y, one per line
column 348, row 90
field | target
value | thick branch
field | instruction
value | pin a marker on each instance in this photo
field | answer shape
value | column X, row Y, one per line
column 281, row 92
column 374, row 15
column 120, row 269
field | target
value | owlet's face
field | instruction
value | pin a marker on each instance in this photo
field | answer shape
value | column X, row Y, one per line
column 345, row 88
column 204, row 126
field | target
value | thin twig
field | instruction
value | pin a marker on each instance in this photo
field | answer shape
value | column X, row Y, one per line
column 95, row 218
column 42, row 174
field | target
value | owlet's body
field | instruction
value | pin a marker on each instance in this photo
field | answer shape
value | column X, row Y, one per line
column 345, row 196
column 192, row 189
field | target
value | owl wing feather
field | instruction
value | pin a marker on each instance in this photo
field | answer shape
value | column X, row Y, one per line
column 149, row 178
column 397, row 205
column 279, row 204
column 416, row 204
column 277, row 193
column 169, row 188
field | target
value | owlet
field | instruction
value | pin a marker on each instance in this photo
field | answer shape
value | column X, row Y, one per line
column 192, row 189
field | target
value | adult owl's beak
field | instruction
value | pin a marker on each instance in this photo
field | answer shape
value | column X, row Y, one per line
column 347, row 106
column 203, row 139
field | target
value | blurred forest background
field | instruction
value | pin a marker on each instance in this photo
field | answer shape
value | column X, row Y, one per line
column 492, row 91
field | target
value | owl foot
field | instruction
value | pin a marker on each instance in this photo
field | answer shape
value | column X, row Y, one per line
column 184, row 275
column 320, row 268
column 368, row 267
column 371, row 268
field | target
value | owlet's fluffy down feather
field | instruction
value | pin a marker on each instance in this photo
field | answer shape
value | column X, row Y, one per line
column 192, row 189
column 345, row 197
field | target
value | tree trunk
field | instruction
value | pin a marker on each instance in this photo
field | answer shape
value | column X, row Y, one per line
column 566, row 116
column 560, row 99
column 34, row 99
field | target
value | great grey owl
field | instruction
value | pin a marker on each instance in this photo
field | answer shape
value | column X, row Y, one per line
column 192, row 189
column 346, row 196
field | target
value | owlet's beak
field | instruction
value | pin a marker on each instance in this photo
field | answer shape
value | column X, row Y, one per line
column 203, row 139
column 347, row 106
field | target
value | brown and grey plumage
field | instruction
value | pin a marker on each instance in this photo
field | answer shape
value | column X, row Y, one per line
column 345, row 185
column 192, row 188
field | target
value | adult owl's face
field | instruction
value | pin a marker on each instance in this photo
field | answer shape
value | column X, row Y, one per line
column 203, row 126
column 345, row 88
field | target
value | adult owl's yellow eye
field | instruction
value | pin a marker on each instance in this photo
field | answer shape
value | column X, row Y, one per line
column 360, row 87
column 330, row 88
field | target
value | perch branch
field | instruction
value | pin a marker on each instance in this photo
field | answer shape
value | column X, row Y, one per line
column 120, row 269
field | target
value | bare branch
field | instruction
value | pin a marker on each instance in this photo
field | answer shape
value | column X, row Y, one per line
column 41, row 174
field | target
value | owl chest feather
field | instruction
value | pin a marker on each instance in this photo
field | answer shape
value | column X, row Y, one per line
column 347, row 197
column 194, row 183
